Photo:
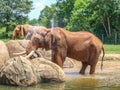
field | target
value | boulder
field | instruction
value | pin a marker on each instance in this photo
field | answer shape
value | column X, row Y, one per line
column 18, row 71
column 48, row 71
column 23, row 72
column 4, row 54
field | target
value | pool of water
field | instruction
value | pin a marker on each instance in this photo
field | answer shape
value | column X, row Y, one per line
column 107, row 79
column 74, row 81
column 61, row 86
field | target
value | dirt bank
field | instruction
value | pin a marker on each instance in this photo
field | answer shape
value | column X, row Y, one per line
column 112, row 56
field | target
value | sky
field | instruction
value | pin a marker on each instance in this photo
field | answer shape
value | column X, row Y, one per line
column 38, row 5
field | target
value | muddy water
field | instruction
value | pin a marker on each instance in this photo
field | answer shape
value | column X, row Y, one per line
column 107, row 79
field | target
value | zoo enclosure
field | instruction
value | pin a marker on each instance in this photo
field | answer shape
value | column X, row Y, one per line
column 114, row 39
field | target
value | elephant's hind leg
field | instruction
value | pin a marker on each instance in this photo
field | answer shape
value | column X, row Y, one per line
column 84, row 66
column 92, row 69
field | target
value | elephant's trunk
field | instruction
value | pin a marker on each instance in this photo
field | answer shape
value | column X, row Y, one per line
column 30, row 54
column 21, row 53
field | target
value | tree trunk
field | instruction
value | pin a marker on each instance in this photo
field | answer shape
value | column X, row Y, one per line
column 6, row 31
column 109, row 29
column 105, row 28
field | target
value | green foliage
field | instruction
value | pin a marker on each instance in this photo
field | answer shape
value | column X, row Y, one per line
column 107, row 16
column 46, row 15
column 64, row 11
column 79, row 19
column 34, row 22
column 61, row 12
column 13, row 12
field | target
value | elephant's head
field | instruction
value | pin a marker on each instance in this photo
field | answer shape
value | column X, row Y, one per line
column 40, row 39
column 18, row 31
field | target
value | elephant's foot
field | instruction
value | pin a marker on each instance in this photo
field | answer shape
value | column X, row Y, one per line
column 92, row 69
column 82, row 72
column 84, row 66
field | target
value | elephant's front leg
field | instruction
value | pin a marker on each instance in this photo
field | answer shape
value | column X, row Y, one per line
column 58, row 58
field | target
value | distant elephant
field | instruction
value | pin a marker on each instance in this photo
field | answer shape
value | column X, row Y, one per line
column 82, row 46
column 23, row 30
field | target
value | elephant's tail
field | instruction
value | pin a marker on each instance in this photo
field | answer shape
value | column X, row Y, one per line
column 102, row 57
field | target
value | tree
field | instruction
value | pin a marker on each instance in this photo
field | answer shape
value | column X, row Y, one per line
column 80, row 18
column 64, row 10
column 46, row 15
column 13, row 12
column 61, row 12
column 33, row 22
column 107, row 16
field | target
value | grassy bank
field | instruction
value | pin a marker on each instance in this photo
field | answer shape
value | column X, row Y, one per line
column 112, row 48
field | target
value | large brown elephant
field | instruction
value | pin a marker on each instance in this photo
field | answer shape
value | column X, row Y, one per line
column 23, row 30
column 82, row 46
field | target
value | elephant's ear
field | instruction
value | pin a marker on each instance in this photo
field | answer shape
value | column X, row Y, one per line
column 17, row 29
column 56, row 38
column 60, row 38
column 22, row 28
column 57, row 34
column 14, row 33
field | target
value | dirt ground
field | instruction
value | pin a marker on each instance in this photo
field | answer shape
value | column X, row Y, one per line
column 109, row 76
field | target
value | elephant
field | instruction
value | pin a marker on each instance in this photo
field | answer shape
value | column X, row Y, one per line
column 23, row 30
column 82, row 46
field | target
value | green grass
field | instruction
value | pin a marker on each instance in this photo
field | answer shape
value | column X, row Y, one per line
column 112, row 48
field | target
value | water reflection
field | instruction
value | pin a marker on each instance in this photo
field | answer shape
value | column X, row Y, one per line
column 72, row 74
column 75, row 81
column 43, row 86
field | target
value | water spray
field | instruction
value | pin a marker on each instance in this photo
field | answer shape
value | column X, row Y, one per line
column 52, row 38
column 52, row 26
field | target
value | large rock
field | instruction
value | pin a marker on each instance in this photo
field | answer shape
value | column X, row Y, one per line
column 4, row 55
column 48, row 71
column 23, row 72
column 18, row 71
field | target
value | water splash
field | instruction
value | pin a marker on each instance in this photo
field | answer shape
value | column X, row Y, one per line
column 52, row 26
